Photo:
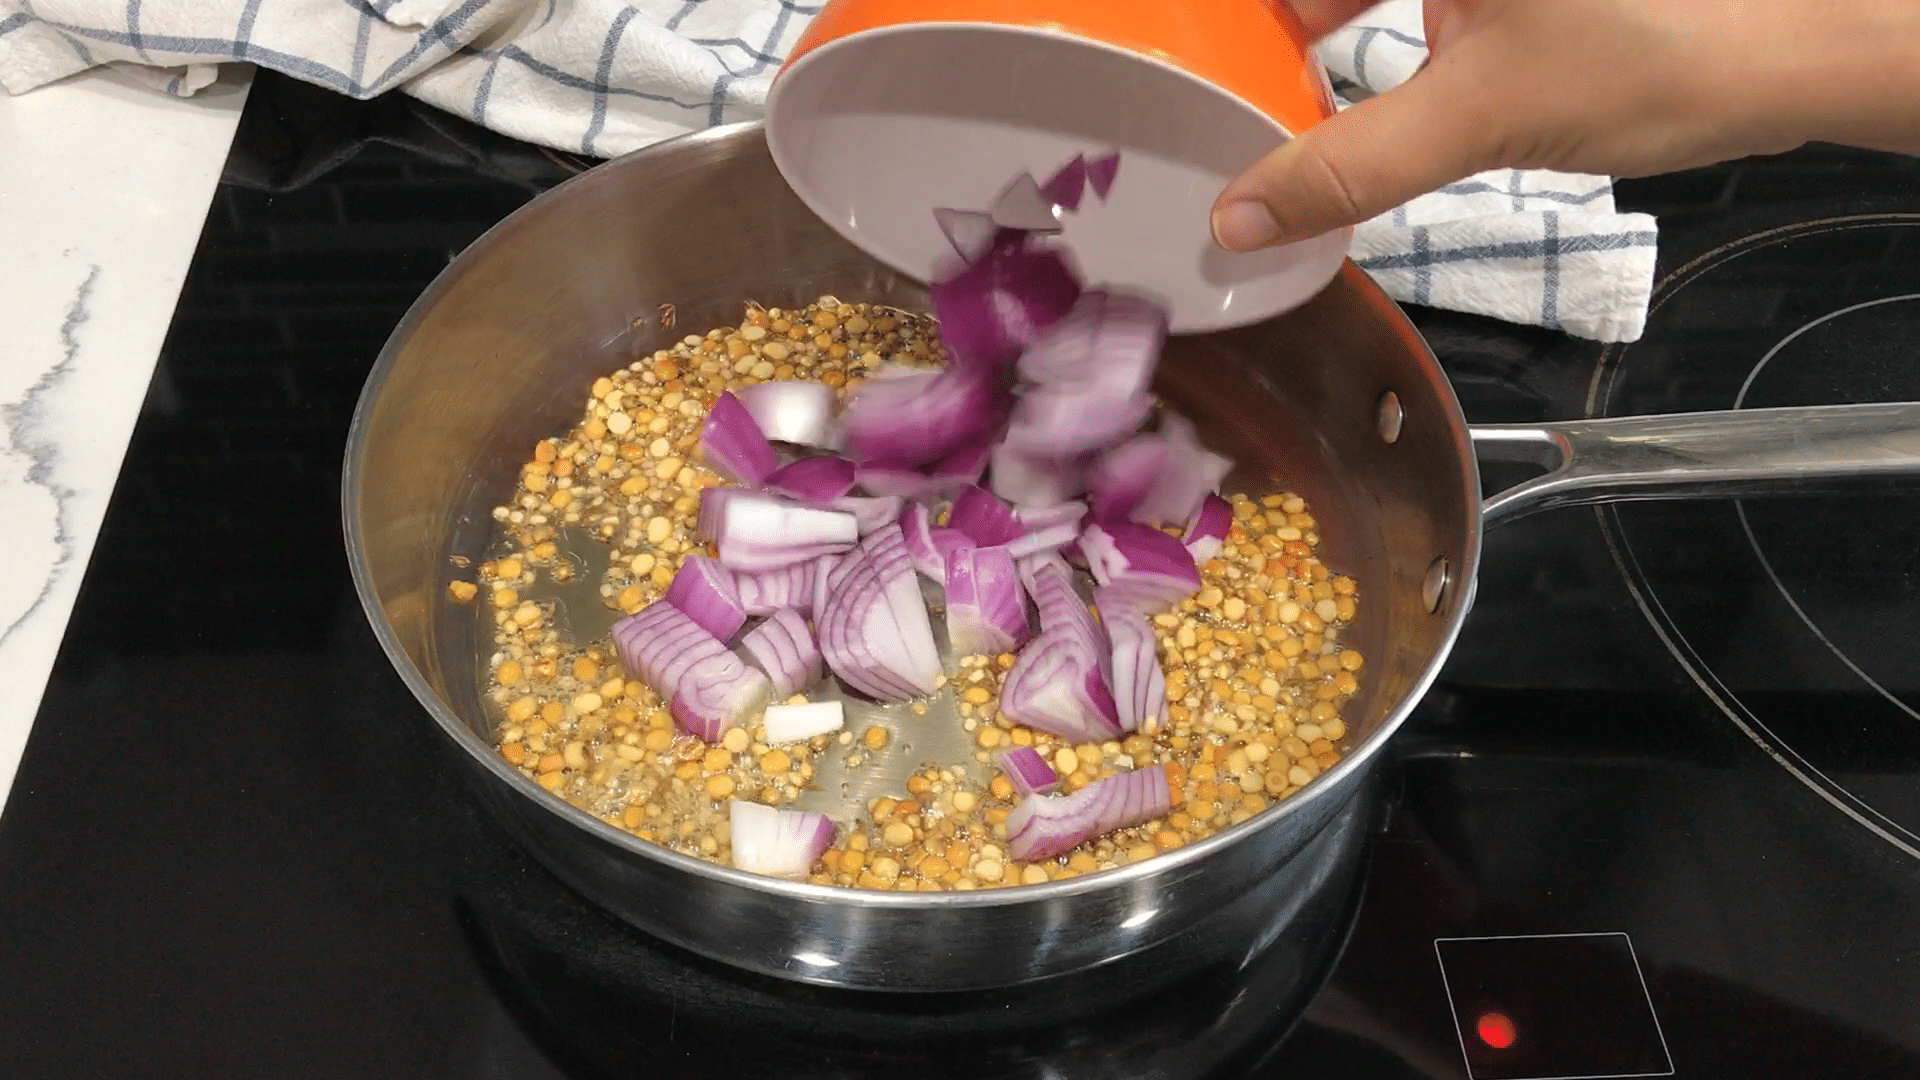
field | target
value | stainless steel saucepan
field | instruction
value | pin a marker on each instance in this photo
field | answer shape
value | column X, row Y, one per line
column 1341, row 399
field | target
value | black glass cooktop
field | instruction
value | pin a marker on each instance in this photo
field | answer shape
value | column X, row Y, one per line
column 1660, row 816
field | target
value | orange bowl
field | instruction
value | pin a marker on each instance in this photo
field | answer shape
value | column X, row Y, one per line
column 887, row 109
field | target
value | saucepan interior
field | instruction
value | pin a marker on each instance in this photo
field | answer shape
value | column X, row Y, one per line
column 1339, row 400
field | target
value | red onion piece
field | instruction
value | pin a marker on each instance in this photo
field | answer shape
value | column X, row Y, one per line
column 874, row 630
column 986, row 520
column 999, row 304
column 964, row 466
column 1058, row 684
column 707, row 593
column 784, row 648
column 1190, row 474
column 1125, row 475
column 1065, row 423
column 1208, row 529
column 734, row 445
column 1139, row 684
column 907, row 420
column 708, row 689
column 760, row 532
column 916, row 528
column 947, row 541
column 779, row 843
column 792, row 723
column 1051, row 538
column 822, row 572
column 870, row 513
column 791, row 410
column 1028, row 480
column 814, row 479
column 986, row 614
column 882, row 480
column 717, row 693
column 1067, row 187
column 770, row 590
column 1102, row 171
column 1030, row 567
column 1029, row 771
column 1144, row 563
column 1023, row 206
column 713, row 506
column 1036, row 518
column 1109, row 339
column 971, row 232
column 1043, row 827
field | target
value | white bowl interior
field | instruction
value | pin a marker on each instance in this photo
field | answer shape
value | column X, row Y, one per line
column 875, row 130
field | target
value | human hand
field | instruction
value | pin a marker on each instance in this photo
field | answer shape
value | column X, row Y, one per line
column 1614, row 87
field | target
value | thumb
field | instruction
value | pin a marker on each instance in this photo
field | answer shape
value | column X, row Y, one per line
column 1356, row 165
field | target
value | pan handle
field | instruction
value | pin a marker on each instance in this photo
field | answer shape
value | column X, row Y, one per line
column 1788, row 451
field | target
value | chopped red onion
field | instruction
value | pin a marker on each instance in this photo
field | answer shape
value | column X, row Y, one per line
column 1036, row 518
column 770, row 590
column 1065, row 423
column 716, row 693
column 999, row 304
column 874, row 629
column 870, row 513
column 707, row 593
column 713, row 504
column 971, row 232
column 1042, row 827
column 1023, row 206
column 814, row 479
column 1027, row 480
column 1101, row 172
column 1139, row 684
column 708, row 689
column 1125, row 475
column 760, row 532
column 1110, row 340
column 784, row 648
column 916, row 528
column 792, row 723
column 791, row 410
column 964, row 466
column 780, row 843
column 1030, row 567
column 1051, row 538
column 822, row 573
column 1190, row 474
column 1028, row 770
column 1208, row 529
column 1067, row 187
column 1144, row 563
column 883, row 480
column 1058, row 684
column 734, row 445
column 986, row 520
column 907, row 420
column 986, row 613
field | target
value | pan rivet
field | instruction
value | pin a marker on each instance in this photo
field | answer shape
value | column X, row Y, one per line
column 1388, row 416
column 1434, row 588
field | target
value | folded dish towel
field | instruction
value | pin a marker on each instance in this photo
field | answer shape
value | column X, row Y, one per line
column 1527, row 246
column 604, row 77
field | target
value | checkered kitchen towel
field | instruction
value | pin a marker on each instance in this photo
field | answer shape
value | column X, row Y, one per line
column 1527, row 246
column 604, row 77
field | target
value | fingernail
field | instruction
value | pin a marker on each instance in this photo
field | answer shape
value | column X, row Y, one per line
column 1244, row 225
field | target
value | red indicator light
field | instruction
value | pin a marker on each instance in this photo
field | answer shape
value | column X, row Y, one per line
column 1495, row 1030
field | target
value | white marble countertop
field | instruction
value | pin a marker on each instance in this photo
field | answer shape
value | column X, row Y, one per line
column 104, row 187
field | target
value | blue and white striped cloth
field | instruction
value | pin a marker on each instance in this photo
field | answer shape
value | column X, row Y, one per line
column 604, row 77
